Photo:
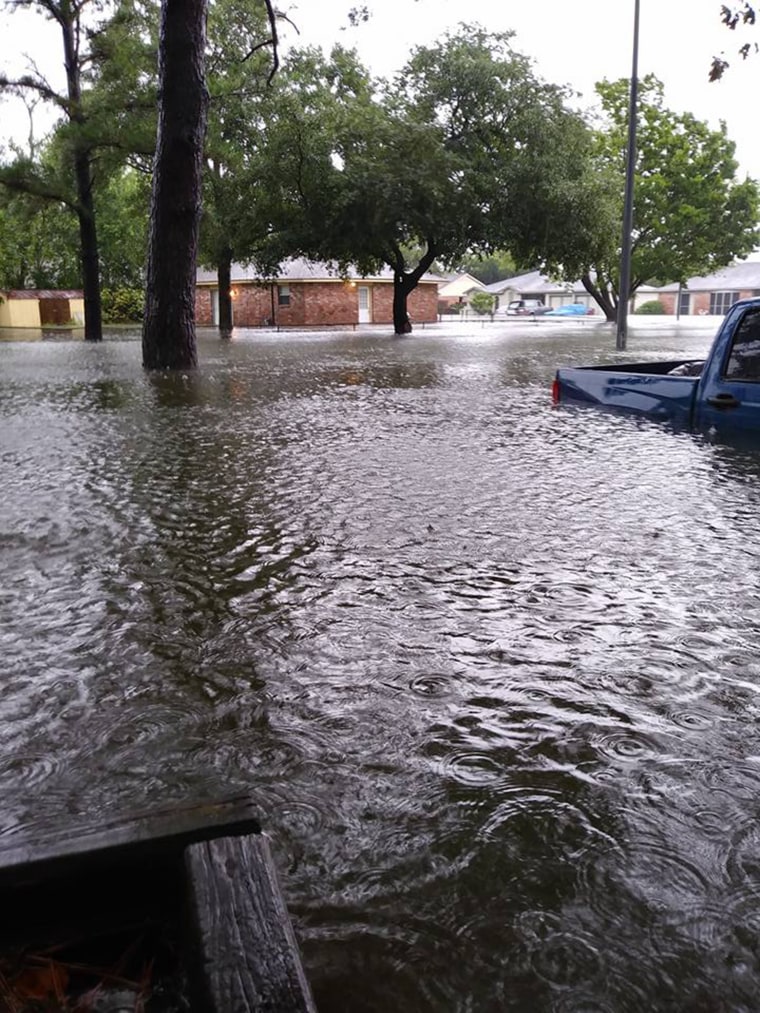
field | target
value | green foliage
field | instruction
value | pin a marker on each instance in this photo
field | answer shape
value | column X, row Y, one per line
column 38, row 243
column 123, row 203
column 122, row 305
column 651, row 308
column 489, row 269
column 482, row 303
column 691, row 214
column 464, row 153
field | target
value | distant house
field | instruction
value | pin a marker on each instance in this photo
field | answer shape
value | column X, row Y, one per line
column 714, row 293
column 36, row 307
column 310, row 294
column 457, row 291
column 535, row 285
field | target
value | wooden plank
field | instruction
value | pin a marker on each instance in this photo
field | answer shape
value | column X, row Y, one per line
column 247, row 958
column 130, row 838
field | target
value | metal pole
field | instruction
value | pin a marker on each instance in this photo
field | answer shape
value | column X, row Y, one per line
column 630, row 170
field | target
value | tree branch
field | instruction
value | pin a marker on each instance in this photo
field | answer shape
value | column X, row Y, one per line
column 42, row 88
column 35, row 188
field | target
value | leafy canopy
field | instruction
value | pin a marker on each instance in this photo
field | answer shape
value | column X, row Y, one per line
column 691, row 214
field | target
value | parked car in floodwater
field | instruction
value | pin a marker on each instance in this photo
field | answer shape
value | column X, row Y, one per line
column 573, row 309
column 526, row 308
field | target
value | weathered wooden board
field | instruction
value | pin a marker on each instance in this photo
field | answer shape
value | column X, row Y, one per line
column 128, row 839
column 247, row 956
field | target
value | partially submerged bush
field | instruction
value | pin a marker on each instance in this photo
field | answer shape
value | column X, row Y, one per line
column 122, row 305
column 651, row 308
column 482, row 303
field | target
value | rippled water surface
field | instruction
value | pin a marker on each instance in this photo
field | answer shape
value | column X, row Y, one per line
column 488, row 668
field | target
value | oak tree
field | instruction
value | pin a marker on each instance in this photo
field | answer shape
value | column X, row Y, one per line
column 691, row 215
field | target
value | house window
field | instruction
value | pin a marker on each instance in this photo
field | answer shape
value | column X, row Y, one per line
column 684, row 304
column 721, row 302
column 283, row 295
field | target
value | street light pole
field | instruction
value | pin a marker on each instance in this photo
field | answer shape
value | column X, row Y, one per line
column 630, row 169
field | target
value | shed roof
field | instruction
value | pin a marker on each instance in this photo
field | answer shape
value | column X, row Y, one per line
column 42, row 293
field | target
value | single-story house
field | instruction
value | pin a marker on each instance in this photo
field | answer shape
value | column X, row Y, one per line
column 714, row 293
column 535, row 285
column 456, row 291
column 309, row 294
column 36, row 307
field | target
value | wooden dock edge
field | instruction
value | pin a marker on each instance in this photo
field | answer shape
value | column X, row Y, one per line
column 244, row 954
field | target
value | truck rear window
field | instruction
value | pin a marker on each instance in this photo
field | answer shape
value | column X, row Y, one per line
column 744, row 354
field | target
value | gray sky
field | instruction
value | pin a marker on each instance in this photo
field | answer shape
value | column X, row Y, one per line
column 575, row 43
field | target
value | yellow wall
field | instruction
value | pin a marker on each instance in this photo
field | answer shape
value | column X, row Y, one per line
column 19, row 313
column 77, row 310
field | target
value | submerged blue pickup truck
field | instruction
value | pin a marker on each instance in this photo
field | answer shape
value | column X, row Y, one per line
column 720, row 395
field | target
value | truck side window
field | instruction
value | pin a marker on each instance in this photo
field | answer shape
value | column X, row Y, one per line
column 744, row 357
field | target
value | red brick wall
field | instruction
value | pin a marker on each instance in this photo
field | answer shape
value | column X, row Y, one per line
column 700, row 301
column 316, row 304
column 203, row 307
column 422, row 303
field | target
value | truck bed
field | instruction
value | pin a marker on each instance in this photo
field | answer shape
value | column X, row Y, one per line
column 641, row 388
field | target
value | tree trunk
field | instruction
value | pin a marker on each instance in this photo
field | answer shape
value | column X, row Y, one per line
column 168, row 337
column 401, row 322
column 224, row 280
column 404, row 283
column 88, row 243
column 601, row 297
column 88, row 237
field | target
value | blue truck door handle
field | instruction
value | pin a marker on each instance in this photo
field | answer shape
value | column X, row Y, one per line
column 724, row 401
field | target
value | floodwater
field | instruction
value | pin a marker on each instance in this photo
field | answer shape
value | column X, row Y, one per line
column 488, row 668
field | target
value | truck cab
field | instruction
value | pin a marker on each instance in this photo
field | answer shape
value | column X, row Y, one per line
column 729, row 390
column 720, row 397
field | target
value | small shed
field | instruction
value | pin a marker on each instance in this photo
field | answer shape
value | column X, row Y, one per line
column 37, row 307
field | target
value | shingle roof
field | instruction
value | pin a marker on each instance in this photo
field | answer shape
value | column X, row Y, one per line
column 743, row 275
column 299, row 269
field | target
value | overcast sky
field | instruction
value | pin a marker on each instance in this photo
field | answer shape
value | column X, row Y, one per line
column 575, row 42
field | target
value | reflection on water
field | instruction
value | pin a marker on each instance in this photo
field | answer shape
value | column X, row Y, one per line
column 488, row 668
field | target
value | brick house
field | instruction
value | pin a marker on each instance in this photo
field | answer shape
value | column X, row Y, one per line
column 713, row 294
column 309, row 294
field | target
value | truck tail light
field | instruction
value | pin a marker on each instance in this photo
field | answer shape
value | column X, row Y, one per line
column 555, row 391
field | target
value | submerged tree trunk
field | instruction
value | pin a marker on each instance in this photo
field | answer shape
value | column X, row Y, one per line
column 224, row 280
column 405, row 282
column 88, row 236
column 168, row 337
column 90, row 260
column 601, row 297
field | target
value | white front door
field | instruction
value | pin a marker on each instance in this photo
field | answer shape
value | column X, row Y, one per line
column 215, row 307
column 365, row 310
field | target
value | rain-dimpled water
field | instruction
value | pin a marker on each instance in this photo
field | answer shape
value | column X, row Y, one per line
column 487, row 668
